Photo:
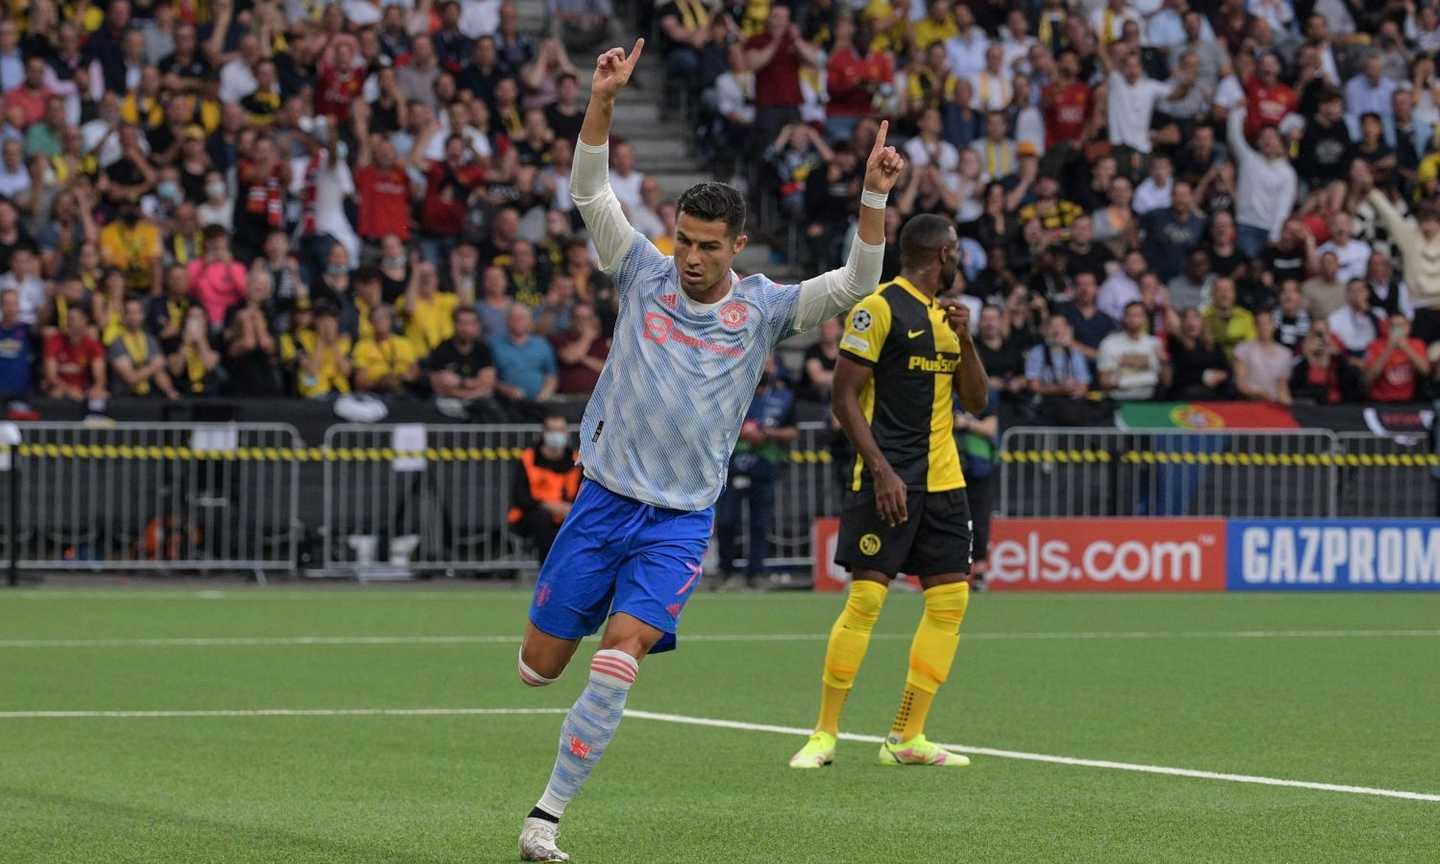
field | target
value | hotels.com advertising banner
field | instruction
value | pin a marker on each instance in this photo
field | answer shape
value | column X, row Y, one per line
column 1107, row 555
column 1078, row 555
column 1159, row 554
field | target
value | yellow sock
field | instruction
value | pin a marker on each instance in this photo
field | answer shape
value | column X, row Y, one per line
column 931, row 653
column 849, row 639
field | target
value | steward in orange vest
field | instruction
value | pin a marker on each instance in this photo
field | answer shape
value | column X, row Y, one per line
column 544, row 485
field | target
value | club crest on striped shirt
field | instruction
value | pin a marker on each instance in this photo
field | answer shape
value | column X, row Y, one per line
column 579, row 748
column 668, row 301
column 734, row 315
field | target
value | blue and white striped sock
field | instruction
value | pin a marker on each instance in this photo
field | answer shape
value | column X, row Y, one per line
column 589, row 726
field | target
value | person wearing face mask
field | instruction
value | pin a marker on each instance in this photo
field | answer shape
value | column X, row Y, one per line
column 216, row 209
column 544, row 485
column 394, row 268
column 765, row 438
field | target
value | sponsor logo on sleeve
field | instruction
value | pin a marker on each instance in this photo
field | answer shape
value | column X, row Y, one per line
column 858, row 344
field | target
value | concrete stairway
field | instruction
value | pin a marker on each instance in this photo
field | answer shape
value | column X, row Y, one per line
column 659, row 138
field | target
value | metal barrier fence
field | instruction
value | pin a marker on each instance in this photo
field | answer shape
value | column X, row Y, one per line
column 1163, row 472
column 1390, row 476
column 443, row 507
column 401, row 498
column 211, row 497
column 134, row 496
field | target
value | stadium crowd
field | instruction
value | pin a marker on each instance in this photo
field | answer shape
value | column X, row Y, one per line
column 1225, row 199
column 1219, row 199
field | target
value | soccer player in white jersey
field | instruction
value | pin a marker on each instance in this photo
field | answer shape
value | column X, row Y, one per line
column 691, row 341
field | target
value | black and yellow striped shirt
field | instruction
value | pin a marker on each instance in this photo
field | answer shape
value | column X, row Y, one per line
column 909, row 401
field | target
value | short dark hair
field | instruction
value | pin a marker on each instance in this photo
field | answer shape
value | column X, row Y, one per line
column 1133, row 303
column 715, row 202
column 922, row 237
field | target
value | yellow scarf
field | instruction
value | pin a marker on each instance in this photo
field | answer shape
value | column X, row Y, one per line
column 137, row 345
column 693, row 14
column 194, row 370
column 996, row 158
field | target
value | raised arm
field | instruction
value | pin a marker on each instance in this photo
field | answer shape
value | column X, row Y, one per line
column 829, row 294
column 590, row 171
column 1235, row 132
column 1395, row 223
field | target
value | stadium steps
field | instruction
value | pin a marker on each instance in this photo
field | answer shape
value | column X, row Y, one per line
column 660, row 138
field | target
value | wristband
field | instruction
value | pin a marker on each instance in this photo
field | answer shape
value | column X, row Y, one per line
column 878, row 200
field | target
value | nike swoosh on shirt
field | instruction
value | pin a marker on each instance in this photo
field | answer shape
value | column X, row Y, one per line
column 913, row 333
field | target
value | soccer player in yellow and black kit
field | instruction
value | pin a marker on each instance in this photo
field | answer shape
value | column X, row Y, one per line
column 903, row 356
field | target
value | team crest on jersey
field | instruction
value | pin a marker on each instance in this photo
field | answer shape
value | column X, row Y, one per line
column 668, row 301
column 734, row 315
column 860, row 321
column 869, row 544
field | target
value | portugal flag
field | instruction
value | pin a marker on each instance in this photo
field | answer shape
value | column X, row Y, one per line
column 1203, row 416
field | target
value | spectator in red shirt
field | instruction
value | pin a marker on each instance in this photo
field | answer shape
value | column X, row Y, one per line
column 776, row 55
column 27, row 101
column 382, row 187
column 449, row 184
column 74, row 360
column 1393, row 361
column 1267, row 99
column 1069, row 105
column 338, row 83
column 217, row 280
column 850, row 87
column 580, row 352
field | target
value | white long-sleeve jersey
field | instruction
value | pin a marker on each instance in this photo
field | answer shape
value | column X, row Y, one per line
column 664, row 417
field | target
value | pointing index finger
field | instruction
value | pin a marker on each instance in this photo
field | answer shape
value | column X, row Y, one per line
column 880, row 137
column 635, row 52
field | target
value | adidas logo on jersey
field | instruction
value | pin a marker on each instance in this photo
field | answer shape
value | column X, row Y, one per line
column 669, row 301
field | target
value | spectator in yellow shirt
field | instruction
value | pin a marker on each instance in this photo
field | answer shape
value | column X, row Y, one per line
column 131, row 245
column 385, row 363
column 430, row 312
column 937, row 26
column 322, row 356
column 1228, row 322
column 890, row 22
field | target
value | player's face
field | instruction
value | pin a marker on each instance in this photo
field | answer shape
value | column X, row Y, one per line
column 949, row 261
column 703, row 252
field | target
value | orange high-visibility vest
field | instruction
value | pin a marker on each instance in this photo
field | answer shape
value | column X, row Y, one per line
column 547, row 485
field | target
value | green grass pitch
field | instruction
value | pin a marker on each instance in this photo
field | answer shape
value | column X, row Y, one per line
column 1340, row 704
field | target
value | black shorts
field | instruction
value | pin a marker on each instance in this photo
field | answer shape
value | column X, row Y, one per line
column 934, row 539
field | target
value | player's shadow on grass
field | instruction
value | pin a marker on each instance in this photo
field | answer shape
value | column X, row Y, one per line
column 215, row 835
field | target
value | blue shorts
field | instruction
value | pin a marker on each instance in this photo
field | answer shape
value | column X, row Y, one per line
column 616, row 554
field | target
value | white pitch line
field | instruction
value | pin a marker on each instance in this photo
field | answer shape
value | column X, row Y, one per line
column 273, row 712
column 1054, row 760
column 713, row 723
column 494, row 639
